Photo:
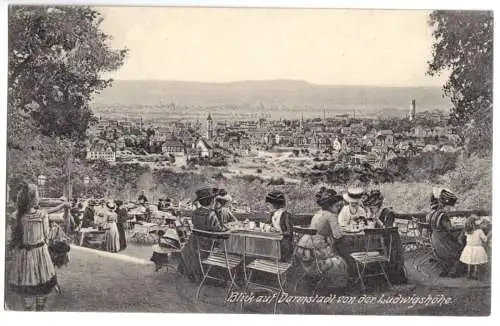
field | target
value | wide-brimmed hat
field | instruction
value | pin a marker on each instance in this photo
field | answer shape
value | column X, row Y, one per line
column 444, row 196
column 110, row 204
column 206, row 192
column 276, row 197
column 224, row 196
column 326, row 196
column 169, row 239
column 354, row 195
column 373, row 198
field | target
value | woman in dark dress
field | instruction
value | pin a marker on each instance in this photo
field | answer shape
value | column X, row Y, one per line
column 373, row 204
column 122, row 214
column 384, row 217
column 281, row 221
column 445, row 242
column 88, row 215
column 204, row 219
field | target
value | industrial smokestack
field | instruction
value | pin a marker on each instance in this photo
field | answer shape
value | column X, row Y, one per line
column 413, row 109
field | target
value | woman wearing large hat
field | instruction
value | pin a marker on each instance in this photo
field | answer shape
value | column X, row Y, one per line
column 112, row 234
column 384, row 217
column 353, row 210
column 222, row 210
column 121, row 223
column 281, row 221
column 444, row 240
column 373, row 203
column 205, row 219
column 325, row 221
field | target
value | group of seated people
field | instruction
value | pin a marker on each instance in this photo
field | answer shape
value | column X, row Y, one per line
column 335, row 213
column 332, row 220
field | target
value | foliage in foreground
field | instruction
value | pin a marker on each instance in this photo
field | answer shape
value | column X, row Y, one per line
column 464, row 46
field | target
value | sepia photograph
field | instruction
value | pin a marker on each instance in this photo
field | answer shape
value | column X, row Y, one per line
column 229, row 160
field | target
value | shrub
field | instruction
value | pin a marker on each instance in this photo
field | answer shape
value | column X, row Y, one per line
column 472, row 181
column 218, row 176
column 250, row 178
column 276, row 182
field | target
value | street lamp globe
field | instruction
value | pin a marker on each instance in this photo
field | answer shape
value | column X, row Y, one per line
column 41, row 180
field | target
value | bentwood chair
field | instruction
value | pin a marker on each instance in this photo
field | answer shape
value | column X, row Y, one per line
column 212, row 255
column 309, row 266
column 266, row 264
column 375, row 254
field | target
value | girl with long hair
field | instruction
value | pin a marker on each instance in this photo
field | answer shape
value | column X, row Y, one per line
column 32, row 273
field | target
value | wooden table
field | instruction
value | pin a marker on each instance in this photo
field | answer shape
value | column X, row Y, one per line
column 257, row 243
column 84, row 233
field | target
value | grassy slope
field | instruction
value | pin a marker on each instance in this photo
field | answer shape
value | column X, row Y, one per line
column 471, row 180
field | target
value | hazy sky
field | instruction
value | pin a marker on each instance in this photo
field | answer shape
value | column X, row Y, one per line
column 335, row 47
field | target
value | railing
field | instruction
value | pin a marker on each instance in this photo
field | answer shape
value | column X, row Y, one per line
column 305, row 219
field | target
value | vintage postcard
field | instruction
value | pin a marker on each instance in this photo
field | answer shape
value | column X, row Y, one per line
column 249, row 160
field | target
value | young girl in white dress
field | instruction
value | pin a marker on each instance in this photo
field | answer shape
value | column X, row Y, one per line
column 474, row 253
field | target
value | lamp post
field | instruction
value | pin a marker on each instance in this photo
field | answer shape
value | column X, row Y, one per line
column 41, row 184
column 86, row 181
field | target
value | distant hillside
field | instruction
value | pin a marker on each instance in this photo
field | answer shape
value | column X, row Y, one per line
column 262, row 96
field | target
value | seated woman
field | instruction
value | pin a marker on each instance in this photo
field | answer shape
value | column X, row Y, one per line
column 382, row 217
column 168, row 245
column 204, row 219
column 280, row 221
column 353, row 210
column 222, row 210
column 443, row 238
column 325, row 221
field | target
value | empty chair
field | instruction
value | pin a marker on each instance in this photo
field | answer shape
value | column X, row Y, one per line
column 270, row 264
column 212, row 253
column 375, row 254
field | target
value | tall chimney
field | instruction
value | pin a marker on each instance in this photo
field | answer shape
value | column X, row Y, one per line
column 413, row 109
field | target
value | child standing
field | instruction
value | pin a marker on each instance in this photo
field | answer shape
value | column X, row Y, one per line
column 474, row 253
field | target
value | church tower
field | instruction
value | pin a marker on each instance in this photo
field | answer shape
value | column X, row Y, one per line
column 210, row 127
column 413, row 110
